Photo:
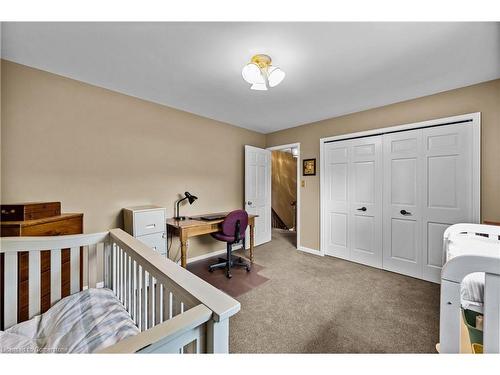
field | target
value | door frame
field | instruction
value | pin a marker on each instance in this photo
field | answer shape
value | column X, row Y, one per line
column 474, row 118
column 297, row 207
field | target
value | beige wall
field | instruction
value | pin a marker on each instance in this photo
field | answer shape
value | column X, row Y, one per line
column 484, row 98
column 284, row 185
column 98, row 151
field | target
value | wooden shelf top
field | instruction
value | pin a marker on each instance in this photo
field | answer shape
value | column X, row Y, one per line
column 27, row 223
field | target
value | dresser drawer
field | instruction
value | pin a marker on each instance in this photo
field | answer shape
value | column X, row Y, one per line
column 148, row 222
column 156, row 241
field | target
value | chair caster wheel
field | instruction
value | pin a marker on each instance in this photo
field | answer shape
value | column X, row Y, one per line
column 229, row 275
column 248, row 269
column 210, row 270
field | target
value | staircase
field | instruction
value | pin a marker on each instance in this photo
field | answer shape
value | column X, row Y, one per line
column 276, row 221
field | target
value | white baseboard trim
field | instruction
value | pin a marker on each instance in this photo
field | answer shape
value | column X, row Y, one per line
column 211, row 254
column 309, row 250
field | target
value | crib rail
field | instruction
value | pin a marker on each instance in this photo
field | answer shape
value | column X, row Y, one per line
column 175, row 311
column 11, row 246
column 155, row 290
column 452, row 275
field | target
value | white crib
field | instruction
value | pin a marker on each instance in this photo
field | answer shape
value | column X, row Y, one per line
column 175, row 311
column 452, row 275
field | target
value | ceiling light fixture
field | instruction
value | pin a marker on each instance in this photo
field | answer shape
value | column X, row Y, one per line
column 261, row 74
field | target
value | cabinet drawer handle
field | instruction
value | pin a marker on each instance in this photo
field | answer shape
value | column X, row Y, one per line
column 362, row 209
column 150, row 226
column 404, row 212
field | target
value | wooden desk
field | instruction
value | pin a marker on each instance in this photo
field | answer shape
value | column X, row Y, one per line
column 196, row 227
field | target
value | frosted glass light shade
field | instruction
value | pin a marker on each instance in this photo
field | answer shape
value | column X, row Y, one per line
column 259, row 87
column 252, row 73
column 275, row 76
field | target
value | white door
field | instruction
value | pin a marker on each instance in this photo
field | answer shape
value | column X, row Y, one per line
column 258, row 191
column 365, row 201
column 336, row 199
column 353, row 200
column 402, row 202
column 428, row 187
column 447, row 181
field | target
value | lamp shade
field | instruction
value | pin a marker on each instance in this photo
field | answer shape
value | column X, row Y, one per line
column 191, row 198
column 252, row 73
column 275, row 76
column 259, row 86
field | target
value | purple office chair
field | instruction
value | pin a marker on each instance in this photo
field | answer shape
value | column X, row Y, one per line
column 232, row 231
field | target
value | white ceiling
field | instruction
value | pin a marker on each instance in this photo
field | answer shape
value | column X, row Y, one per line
column 332, row 68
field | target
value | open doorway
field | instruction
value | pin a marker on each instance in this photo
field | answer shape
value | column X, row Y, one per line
column 285, row 179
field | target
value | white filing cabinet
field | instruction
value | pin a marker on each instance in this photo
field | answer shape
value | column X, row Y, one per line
column 147, row 224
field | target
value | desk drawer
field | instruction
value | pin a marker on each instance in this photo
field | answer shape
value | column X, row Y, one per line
column 156, row 241
column 148, row 222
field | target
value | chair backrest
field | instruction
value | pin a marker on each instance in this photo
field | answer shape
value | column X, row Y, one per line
column 230, row 222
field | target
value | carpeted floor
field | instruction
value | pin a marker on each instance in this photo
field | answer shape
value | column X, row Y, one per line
column 317, row 304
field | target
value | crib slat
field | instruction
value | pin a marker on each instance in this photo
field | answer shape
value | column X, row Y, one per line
column 133, row 289
column 137, row 294
column 129, row 283
column 34, row 283
column 166, row 304
column 122, row 269
column 143, row 300
column 158, row 301
column 84, row 269
column 113, row 269
column 150, row 301
column 92, row 266
column 177, row 306
column 75, row 269
column 491, row 313
column 10, row 293
column 106, row 271
column 120, row 274
column 125, row 277
column 131, row 286
column 55, row 276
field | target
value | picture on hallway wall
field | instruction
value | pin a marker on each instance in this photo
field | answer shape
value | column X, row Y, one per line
column 309, row 167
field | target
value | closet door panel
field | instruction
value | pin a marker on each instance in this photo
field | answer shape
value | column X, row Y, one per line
column 365, row 213
column 447, row 153
column 337, row 194
column 402, row 196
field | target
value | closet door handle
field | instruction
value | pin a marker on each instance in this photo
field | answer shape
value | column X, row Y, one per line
column 404, row 212
column 362, row 209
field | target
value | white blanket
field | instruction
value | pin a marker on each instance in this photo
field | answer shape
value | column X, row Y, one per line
column 472, row 287
column 81, row 323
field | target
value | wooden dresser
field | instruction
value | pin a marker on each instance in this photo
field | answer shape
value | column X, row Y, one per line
column 49, row 226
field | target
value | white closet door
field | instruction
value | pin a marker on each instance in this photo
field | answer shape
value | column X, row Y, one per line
column 447, row 180
column 365, row 201
column 402, row 198
column 336, row 209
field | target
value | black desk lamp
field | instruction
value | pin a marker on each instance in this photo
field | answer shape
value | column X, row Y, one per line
column 190, row 198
